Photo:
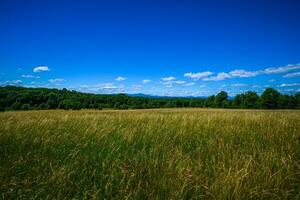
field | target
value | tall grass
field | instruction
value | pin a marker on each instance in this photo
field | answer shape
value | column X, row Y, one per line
column 150, row 154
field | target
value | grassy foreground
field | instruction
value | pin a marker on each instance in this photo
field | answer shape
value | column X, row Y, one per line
column 150, row 154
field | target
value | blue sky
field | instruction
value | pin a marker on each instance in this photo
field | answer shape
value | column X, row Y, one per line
column 173, row 48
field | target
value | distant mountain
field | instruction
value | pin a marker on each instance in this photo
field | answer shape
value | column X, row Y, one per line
column 165, row 97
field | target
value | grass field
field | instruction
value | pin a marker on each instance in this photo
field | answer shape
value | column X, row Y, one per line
column 150, row 154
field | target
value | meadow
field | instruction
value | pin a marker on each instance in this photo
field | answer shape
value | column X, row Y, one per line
column 150, row 154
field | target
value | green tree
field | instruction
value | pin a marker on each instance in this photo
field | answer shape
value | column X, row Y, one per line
column 249, row 100
column 123, row 107
column 52, row 102
column 269, row 99
column 221, row 99
column 42, row 106
column 287, row 102
column 25, row 106
column 2, row 104
column 237, row 101
column 2, row 108
column 15, row 98
column 210, row 101
column 297, row 99
column 16, row 106
column 65, row 104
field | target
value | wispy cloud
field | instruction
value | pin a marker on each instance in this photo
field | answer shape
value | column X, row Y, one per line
column 136, row 87
column 183, row 83
column 171, row 78
column 198, row 75
column 179, row 82
column 189, row 84
column 13, row 82
column 239, row 85
column 29, row 76
column 170, row 81
column 292, row 75
column 272, row 80
column 283, row 69
column 219, row 77
column 243, row 73
column 120, row 78
column 41, row 69
column 103, row 88
column 256, row 86
column 106, row 86
column 146, row 81
column 56, row 80
column 289, row 84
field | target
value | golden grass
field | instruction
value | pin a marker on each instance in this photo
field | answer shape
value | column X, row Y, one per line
column 150, row 154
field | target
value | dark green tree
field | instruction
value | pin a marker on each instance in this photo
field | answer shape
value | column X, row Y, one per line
column 269, row 99
column 297, row 100
column 249, row 100
column 237, row 101
column 221, row 99
column 16, row 106
column 16, row 98
column 287, row 102
column 210, row 102
column 25, row 106
column 2, row 107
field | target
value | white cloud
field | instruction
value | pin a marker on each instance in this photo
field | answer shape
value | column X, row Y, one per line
column 171, row 78
column 278, row 70
column 14, row 82
column 198, row 75
column 202, row 86
column 271, row 70
column 56, row 80
column 272, row 80
column 29, row 76
column 190, row 84
column 136, row 87
column 292, row 75
column 256, row 86
column 239, row 85
column 183, row 83
column 289, row 84
column 243, row 73
column 41, row 69
column 219, row 77
column 179, row 82
column 120, row 78
column 170, row 81
column 106, row 86
column 146, row 81
column 84, row 86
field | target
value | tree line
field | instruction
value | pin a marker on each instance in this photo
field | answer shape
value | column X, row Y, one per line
column 21, row 98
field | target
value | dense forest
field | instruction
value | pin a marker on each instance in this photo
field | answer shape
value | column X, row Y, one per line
column 21, row 98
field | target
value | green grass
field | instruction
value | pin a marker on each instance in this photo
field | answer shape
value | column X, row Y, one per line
column 150, row 154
